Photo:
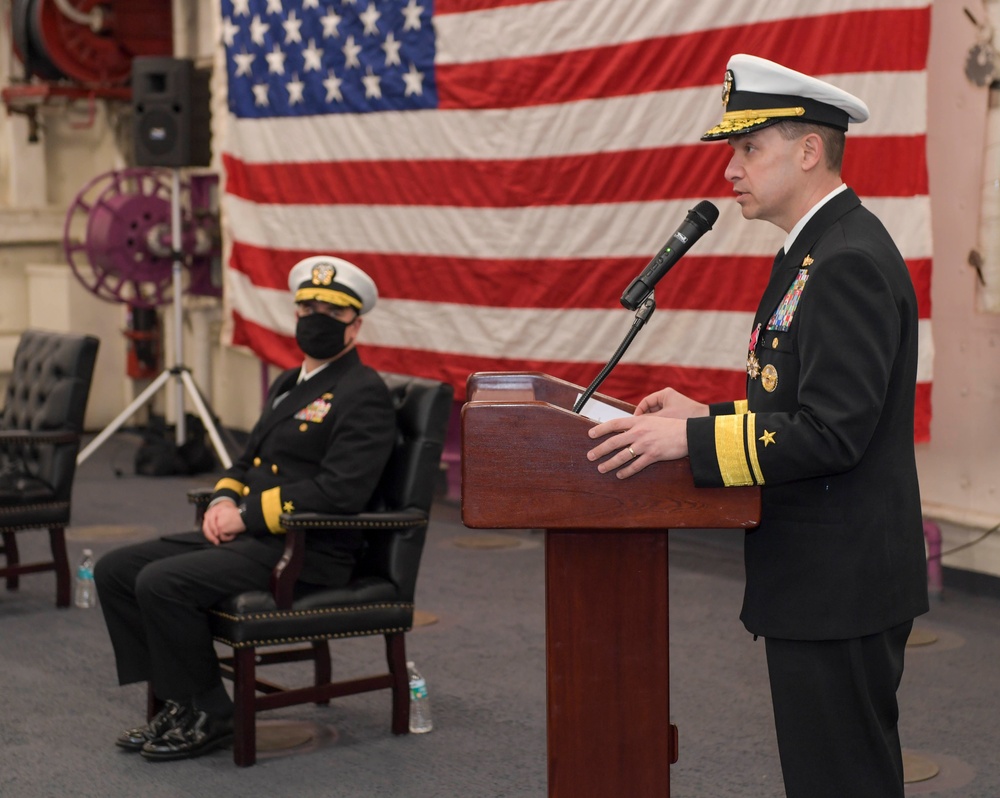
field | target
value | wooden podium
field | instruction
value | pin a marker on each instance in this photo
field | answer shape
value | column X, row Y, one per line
column 524, row 465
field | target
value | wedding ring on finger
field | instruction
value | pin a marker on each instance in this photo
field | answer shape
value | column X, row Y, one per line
column 631, row 452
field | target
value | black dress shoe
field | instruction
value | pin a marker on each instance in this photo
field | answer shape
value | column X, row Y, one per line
column 162, row 722
column 197, row 733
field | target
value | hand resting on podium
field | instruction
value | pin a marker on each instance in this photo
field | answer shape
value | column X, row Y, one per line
column 657, row 431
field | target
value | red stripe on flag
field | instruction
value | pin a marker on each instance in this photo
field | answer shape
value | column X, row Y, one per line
column 922, row 413
column 902, row 154
column 464, row 6
column 694, row 170
column 856, row 41
column 269, row 346
column 920, row 275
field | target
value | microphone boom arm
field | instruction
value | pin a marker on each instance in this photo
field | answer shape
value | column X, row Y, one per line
column 639, row 294
column 641, row 317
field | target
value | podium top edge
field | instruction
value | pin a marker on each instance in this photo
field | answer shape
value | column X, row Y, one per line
column 530, row 387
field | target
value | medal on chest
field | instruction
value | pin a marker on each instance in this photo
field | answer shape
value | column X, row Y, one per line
column 753, row 364
column 315, row 412
column 769, row 378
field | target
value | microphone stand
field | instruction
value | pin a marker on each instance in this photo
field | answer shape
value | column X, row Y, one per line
column 641, row 317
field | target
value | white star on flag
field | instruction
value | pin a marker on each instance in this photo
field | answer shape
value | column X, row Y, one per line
column 414, row 80
column 332, row 86
column 229, row 31
column 331, row 24
column 373, row 84
column 244, row 62
column 295, row 90
column 276, row 60
column 370, row 18
column 293, row 28
column 412, row 13
column 351, row 52
column 391, row 48
column 260, row 93
column 258, row 30
column 313, row 57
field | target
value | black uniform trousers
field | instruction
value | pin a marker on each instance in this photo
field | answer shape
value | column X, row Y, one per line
column 154, row 596
column 835, row 714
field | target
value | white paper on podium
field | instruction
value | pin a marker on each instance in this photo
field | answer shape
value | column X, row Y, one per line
column 599, row 411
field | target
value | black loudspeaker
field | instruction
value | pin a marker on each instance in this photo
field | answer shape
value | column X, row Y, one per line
column 171, row 114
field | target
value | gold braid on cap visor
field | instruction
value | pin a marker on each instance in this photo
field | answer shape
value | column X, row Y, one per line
column 735, row 121
column 328, row 295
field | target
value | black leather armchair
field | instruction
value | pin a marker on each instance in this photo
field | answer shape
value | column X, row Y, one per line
column 379, row 599
column 40, row 428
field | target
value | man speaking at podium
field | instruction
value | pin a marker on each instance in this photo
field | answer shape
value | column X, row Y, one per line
column 836, row 571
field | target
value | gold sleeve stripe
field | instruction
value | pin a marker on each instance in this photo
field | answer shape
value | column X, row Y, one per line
column 758, row 477
column 741, row 406
column 270, row 505
column 227, row 483
column 731, row 451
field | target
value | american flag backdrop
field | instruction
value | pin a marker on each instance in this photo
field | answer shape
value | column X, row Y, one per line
column 504, row 168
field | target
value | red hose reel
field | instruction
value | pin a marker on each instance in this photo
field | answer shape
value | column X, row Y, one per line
column 53, row 45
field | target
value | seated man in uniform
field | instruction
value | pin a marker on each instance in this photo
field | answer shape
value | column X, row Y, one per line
column 320, row 445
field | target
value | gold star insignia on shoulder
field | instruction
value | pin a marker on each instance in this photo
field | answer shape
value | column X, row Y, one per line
column 767, row 438
column 288, row 507
column 807, row 261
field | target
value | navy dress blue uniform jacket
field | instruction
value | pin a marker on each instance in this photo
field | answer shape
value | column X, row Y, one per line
column 827, row 431
column 321, row 449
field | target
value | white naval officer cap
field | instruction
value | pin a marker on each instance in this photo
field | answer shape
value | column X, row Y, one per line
column 325, row 278
column 757, row 93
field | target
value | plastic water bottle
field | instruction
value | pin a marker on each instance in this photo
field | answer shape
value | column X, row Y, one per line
column 86, row 593
column 420, row 704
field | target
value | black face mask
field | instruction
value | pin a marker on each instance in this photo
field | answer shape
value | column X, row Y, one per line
column 320, row 336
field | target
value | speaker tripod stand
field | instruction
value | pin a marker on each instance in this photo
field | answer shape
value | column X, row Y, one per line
column 183, row 381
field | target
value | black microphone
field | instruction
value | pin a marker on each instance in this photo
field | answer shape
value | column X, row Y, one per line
column 698, row 222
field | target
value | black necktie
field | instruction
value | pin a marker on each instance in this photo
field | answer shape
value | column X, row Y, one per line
column 280, row 396
column 777, row 259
